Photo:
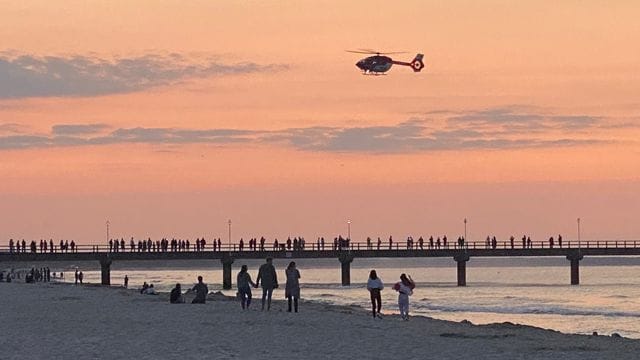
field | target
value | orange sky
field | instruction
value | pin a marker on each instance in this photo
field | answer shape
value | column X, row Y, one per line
column 170, row 118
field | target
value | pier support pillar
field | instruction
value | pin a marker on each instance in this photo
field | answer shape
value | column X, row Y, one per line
column 345, row 261
column 105, row 270
column 226, row 260
column 462, row 259
column 575, row 268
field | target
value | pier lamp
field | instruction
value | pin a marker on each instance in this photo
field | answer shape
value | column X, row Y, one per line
column 578, row 234
column 465, row 229
column 108, row 223
column 229, row 234
column 349, row 229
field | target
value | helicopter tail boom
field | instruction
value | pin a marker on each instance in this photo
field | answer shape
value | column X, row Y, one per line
column 416, row 64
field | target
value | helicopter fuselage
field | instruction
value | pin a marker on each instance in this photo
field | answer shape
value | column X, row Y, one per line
column 375, row 64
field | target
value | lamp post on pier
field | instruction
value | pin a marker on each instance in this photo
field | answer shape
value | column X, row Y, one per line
column 578, row 234
column 465, row 229
column 108, row 223
column 349, row 230
column 229, row 234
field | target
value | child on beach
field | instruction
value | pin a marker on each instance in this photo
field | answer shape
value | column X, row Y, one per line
column 405, row 289
column 374, row 285
column 244, row 287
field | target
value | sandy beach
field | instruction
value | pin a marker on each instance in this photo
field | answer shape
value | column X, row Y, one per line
column 62, row 321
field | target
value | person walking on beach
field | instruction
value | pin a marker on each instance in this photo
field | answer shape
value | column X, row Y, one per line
column 405, row 289
column 267, row 274
column 176, row 295
column 201, row 290
column 292, row 288
column 244, row 287
column 375, row 286
column 126, row 281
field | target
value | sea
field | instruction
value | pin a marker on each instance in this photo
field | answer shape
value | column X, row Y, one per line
column 531, row 291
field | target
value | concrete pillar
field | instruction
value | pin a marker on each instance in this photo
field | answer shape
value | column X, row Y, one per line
column 226, row 260
column 345, row 261
column 105, row 269
column 575, row 268
column 462, row 268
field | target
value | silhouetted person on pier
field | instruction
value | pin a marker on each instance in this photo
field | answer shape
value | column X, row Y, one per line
column 379, row 242
column 375, row 286
column 444, row 242
column 51, row 249
column 494, row 243
column 560, row 240
column 335, row 243
column 175, row 297
column 421, row 243
column 241, row 245
column 267, row 275
column 215, row 245
column 529, row 243
column 368, row 243
column 201, row 290
column 322, row 242
column 10, row 245
column 292, row 287
column 524, row 241
column 511, row 240
column 244, row 283
column 430, row 242
column 438, row 243
column 551, row 242
column 487, row 242
column 390, row 242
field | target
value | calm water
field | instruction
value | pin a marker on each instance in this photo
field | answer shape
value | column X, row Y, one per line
column 526, row 291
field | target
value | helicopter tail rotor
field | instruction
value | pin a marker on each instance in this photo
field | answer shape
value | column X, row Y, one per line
column 416, row 63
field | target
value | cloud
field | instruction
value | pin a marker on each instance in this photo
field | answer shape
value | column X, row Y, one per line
column 494, row 129
column 24, row 75
column 78, row 129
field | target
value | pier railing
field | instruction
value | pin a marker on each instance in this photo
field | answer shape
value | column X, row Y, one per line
column 315, row 246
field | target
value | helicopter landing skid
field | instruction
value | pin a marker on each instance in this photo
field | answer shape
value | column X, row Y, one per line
column 368, row 73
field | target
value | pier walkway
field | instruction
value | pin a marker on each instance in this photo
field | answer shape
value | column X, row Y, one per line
column 460, row 252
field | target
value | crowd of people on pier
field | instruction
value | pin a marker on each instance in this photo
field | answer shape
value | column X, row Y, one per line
column 260, row 244
column 64, row 246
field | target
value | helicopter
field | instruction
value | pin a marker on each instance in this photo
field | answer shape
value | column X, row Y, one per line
column 378, row 64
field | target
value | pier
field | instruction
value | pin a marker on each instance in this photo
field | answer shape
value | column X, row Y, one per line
column 226, row 255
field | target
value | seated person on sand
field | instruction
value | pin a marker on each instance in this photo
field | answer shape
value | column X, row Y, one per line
column 144, row 288
column 150, row 290
column 201, row 290
column 176, row 295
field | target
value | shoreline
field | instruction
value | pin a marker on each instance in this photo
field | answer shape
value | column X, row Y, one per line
column 92, row 321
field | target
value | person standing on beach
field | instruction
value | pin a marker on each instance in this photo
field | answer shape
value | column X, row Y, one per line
column 244, row 287
column 375, row 286
column 292, row 288
column 267, row 274
column 201, row 290
column 126, row 281
column 405, row 289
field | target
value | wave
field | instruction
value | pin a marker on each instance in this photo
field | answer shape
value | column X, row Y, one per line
column 532, row 309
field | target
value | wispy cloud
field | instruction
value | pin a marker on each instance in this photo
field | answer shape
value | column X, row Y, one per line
column 27, row 75
column 503, row 128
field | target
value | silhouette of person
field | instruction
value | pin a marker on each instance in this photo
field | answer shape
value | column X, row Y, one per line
column 244, row 287
column 201, row 290
column 292, row 287
column 375, row 286
column 267, row 274
column 175, row 297
column 126, row 281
